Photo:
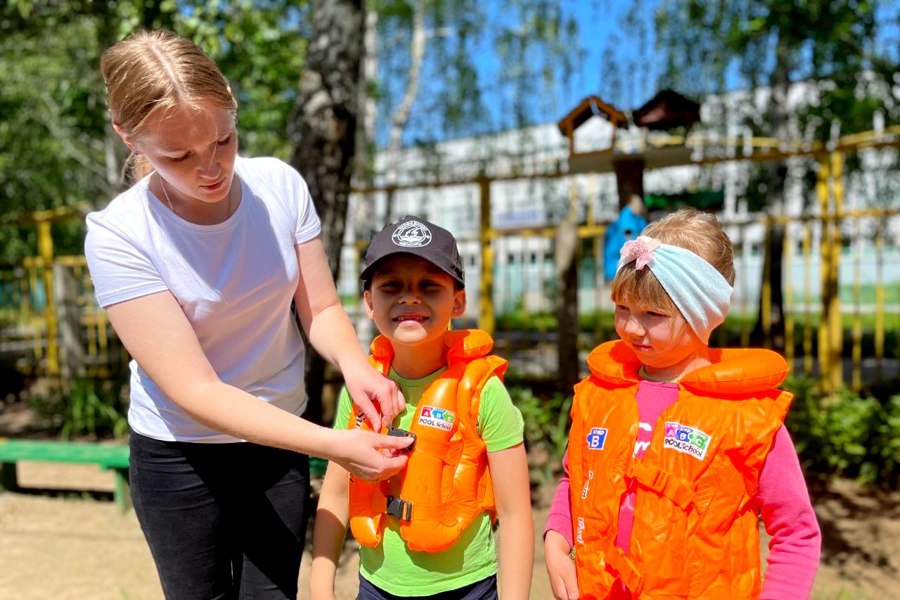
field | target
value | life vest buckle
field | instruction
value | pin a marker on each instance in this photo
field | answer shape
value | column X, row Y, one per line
column 400, row 508
column 397, row 432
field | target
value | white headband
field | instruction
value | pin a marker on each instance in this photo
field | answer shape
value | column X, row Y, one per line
column 697, row 288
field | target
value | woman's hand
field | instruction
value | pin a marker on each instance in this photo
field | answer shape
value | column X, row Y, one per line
column 560, row 567
column 377, row 396
column 370, row 456
column 331, row 333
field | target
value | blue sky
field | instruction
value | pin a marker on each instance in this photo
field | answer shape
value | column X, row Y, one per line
column 616, row 63
column 600, row 22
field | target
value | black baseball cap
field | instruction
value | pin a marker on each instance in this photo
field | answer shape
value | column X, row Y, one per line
column 418, row 237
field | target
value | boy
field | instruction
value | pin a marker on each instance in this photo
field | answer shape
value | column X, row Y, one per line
column 427, row 532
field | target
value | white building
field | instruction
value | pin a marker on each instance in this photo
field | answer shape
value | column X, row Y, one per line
column 528, row 191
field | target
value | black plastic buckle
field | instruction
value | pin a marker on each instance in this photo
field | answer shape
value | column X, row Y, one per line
column 400, row 508
column 397, row 432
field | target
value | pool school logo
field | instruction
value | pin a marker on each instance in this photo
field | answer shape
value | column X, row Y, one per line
column 596, row 439
column 439, row 418
column 688, row 440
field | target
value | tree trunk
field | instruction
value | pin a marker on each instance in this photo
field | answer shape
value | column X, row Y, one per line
column 401, row 115
column 769, row 331
column 567, row 244
column 322, row 133
column 630, row 182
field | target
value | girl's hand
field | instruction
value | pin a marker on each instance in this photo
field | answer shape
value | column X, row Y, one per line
column 377, row 396
column 370, row 456
column 560, row 567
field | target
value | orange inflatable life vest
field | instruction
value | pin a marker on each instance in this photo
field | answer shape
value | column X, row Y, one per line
column 695, row 532
column 446, row 482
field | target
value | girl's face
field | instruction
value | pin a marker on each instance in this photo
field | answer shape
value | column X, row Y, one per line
column 662, row 340
column 193, row 150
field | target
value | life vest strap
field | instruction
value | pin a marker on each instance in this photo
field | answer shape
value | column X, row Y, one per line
column 446, row 512
column 399, row 508
column 672, row 487
column 397, row 432
column 624, row 567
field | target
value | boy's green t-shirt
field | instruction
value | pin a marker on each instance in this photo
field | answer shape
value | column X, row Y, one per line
column 398, row 570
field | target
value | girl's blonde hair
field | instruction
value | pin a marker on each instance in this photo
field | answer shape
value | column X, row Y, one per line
column 688, row 228
column 153, row 71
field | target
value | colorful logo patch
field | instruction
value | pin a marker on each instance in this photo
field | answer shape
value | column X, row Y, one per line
column 439, row 418
column 596, row 438
column 688, row 440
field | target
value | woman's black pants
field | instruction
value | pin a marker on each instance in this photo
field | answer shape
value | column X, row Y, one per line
column 223, row 521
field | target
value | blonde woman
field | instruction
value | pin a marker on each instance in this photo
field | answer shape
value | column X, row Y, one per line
column 197, row 265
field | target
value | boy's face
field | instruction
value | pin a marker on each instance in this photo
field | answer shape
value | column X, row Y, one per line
column 661, row 338
column 411, row 301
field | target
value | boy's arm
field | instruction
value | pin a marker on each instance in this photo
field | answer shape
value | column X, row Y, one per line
column 789, row 518
column 332, row 516
column 330, row 531
column 509, row 472
column 501, row 427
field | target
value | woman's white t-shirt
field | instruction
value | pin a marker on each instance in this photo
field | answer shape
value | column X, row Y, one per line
column 234, row 280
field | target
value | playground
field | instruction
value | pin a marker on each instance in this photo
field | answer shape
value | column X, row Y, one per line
column 63, row 537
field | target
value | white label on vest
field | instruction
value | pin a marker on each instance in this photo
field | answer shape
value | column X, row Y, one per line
column 587, row 485
column 686, row 439
column 439, row 418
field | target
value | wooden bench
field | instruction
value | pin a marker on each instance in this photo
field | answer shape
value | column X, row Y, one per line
column 108, row 456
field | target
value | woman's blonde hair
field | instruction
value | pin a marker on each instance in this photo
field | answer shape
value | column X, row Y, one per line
column 688, row 228
column 153, row 71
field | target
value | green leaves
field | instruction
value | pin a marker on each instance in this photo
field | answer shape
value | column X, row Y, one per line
column 56, row 145
column 546, row 429
column 845, row 434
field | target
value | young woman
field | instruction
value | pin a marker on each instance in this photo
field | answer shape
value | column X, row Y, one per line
column 197, row 265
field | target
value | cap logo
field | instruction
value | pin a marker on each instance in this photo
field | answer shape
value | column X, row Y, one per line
column 411, row 234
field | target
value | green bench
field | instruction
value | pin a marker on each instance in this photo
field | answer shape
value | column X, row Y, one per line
column 107, row 456
column 112, row 457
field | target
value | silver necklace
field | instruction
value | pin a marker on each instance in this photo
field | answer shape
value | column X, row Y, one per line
column 162, row 184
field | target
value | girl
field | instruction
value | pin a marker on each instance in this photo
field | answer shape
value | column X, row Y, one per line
column 197, row 265
column 675, row 447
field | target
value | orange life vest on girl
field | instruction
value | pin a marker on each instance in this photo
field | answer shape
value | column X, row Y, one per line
column 446, row 482
column 695, row 532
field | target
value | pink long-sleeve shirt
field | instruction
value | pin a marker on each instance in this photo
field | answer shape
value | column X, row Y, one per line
column 782, row 499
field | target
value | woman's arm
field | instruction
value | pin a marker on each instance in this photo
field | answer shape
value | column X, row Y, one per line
column 509, row 473
column 789, row 518
column 330, row 530
column 158, row 335
column 329, row 330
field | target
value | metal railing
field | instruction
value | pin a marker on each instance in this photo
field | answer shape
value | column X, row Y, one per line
column 53, row 326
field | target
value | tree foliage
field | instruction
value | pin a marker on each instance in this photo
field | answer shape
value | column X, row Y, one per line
column 834, row 49
column 839, row 47
column 489, row 66
column 56, row 145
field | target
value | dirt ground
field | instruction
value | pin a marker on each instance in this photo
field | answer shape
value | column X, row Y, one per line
column 63, row 538
column 78, row 547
